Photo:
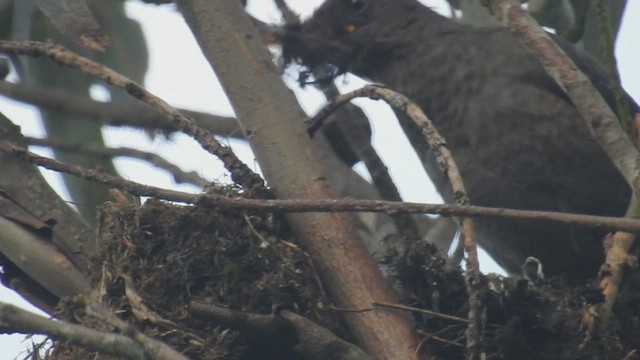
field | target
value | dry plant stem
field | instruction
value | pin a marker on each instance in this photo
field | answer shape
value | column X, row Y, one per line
column 322, row 205
column 240, row 172
column 598, row 116
column 449, row 167
column 132, row 113
column 434, row 336
column 14, row 319
column 179, row 176
column 270, row 117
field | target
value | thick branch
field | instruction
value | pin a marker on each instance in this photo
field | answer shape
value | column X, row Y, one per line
column 284, row 331
column 23, row 183
column 39, row 258
column 14, row 319
column 270, row 118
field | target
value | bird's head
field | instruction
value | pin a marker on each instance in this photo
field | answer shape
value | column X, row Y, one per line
column 356, row 36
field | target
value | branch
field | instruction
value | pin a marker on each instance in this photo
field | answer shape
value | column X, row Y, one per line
column 270, row 117
column 423, row 311
column 240, row 172
column 283, row 332
column 114, row 113
column 25, row 185
column 14, row 319
column 321, row 205
column 35, row 254
column 179, row 175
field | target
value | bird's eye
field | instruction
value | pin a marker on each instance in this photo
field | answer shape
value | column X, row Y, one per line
column 357, row 5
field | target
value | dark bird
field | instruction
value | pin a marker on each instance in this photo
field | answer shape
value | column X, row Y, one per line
column 517, row 138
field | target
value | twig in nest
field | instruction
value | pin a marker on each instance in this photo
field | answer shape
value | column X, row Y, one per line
column 439, row 339
column 263, row 242
column 422, row 311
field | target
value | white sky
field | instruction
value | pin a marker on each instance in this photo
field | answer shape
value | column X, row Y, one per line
column 194, row 86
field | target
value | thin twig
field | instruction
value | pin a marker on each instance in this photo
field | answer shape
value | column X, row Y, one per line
column 324, row 205
column 240, row 172
column 440, row 339
column 422, row 311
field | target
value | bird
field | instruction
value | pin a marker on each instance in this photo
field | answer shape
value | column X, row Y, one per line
column 518, row 140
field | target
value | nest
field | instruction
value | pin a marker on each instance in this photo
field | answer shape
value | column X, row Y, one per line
column 156, row 259
column 163, row 256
